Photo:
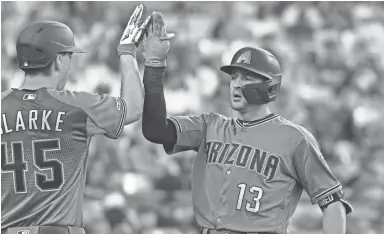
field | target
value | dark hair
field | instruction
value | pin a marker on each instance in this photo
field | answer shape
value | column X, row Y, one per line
column 45, row 71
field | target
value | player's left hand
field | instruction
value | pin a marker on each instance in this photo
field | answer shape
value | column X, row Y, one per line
column 133, row 33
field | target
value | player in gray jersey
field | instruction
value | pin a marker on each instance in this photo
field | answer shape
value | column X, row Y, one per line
column 46, row 132
column 250, row 171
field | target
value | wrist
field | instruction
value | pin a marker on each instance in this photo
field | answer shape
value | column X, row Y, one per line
column 156, row 62
column 127, row 49
column 126, row 59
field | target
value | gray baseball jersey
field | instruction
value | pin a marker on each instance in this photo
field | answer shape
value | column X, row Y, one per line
column 250, row 178
column 45, row 136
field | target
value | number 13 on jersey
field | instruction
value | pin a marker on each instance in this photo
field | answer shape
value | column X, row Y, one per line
column 255, row 205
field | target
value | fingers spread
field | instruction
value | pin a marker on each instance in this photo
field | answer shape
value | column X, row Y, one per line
column 136, row 15
column 163, row 32
column 160, row 19
column 149, row 25
column 140, row 13
column 144, row 28
column 158, row 23
column 155, row 24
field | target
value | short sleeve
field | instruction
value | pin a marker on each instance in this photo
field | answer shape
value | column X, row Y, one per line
column 312, row 170
column 106, row 114
column 190, row 132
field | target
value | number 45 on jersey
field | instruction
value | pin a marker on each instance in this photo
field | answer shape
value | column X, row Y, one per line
column 18, row 166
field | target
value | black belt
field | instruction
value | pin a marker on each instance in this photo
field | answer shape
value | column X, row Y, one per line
column 43, row 230
column 212, row 231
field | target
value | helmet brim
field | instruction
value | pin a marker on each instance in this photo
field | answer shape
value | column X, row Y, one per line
column 75, row 49
column 228, row 69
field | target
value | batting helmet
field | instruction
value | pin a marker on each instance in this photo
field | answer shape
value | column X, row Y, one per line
column 41, row 41
column 262, row 62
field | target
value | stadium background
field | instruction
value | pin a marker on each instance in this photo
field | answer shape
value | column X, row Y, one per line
column 333, row 60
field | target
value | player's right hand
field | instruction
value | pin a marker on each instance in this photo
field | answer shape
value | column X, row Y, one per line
column 156, row 44
column 133, row 33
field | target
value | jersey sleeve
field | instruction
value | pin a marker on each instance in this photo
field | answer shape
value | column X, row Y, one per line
column 312, row 170
column 106, row 114
column 190, row 131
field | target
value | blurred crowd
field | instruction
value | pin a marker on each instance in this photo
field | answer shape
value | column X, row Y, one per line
column 332, row 54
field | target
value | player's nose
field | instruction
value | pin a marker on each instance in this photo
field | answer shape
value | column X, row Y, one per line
column 236, row 82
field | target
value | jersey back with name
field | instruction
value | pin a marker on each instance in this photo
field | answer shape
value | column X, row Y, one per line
column 249, row 178
column 44, row 145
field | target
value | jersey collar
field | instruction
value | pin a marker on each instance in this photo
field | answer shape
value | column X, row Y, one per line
column 30, row 90
column 248, row 124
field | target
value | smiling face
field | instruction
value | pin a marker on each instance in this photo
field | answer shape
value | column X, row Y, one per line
column 241, row 77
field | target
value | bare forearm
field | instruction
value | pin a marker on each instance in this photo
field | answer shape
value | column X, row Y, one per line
column 334, row 219
column 131, row 88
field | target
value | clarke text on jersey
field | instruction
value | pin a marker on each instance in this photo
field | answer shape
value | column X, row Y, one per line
column 33, row 121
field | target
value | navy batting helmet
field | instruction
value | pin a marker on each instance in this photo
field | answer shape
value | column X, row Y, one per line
column 41, row 41
column 262, row 62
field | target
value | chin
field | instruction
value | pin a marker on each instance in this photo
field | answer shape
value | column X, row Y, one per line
column 237, row 106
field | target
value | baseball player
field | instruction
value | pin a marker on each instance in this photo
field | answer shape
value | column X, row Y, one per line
column 45, row 131
column 250, row 171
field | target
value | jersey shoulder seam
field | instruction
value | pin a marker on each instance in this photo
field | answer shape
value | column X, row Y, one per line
column 299, row 129
column 86, row 130
column 295, row 126
column 212, row 115
column 6, row 93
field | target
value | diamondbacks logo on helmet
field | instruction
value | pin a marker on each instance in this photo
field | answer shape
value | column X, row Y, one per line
column 244, row 57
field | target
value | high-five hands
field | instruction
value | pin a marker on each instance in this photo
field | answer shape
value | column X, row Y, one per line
column 156, row 43
column 133, row 33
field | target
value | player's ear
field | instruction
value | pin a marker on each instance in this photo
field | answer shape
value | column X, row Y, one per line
column 57, row 62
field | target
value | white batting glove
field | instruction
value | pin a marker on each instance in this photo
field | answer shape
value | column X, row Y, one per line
column 133, row 33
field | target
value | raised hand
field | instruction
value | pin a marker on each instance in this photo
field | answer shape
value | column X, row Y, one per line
column 133, row 33
column 156, row 44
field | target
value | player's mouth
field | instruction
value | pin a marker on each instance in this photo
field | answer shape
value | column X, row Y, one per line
column 236, row 96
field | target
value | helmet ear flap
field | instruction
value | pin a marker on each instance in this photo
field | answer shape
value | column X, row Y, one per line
column 274, row 89
column 257, row 93
column 32, row 56
column 261, row 93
